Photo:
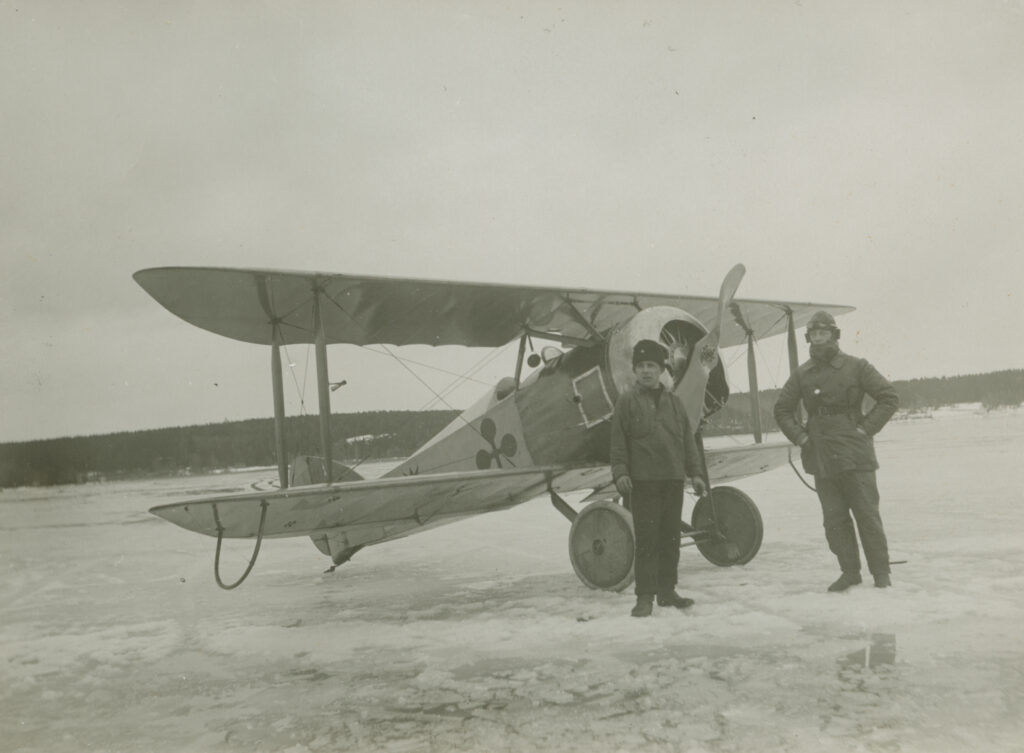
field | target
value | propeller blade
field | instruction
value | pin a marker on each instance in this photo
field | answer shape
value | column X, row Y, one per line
column 707, row 347
column 726, row 293
column 705, row 354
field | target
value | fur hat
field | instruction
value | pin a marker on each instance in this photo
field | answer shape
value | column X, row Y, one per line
column 649, row 350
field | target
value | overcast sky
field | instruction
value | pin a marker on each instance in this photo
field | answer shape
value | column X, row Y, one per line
column 869, row 154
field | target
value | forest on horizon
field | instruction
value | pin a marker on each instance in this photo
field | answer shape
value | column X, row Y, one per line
column 377, row 434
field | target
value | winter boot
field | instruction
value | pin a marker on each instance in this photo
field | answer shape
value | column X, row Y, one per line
column 845, row 581
column 882, row 580
column 672, row 599
column 644, row 605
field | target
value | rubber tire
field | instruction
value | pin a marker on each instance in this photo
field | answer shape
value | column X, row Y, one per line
column 602, row 546
column 738, row 521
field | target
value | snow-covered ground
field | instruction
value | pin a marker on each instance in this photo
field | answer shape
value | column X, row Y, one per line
column 478, row 636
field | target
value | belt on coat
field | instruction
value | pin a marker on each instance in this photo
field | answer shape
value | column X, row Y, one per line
column 829, row 410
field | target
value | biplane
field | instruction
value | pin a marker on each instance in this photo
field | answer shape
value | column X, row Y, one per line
column 546, row 432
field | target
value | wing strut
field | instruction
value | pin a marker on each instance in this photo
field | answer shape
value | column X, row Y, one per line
column 263, row 294
column 278, row 382
column 322, row 386
column 519, row 358
column 755, row 396
column 557, row 337
column 570, row 308
column 794, row 359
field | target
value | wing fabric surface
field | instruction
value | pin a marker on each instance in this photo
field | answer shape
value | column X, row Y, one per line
column 264, row 306
column 731, row 463
column 377, row 510
column 302, row 511
column 724, row 465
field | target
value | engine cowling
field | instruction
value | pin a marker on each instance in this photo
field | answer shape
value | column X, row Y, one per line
column 679, row 332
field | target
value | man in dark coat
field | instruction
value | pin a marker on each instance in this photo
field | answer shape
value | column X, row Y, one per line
column 653, row 451
column 836, row 446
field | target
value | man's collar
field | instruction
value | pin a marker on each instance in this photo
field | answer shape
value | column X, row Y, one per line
column 837, row 360
column 835, row 363
column 649, row 390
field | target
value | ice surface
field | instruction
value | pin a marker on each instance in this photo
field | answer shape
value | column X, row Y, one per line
column 478, row 636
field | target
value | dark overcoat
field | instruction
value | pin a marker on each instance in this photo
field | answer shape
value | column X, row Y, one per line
column 839, row 431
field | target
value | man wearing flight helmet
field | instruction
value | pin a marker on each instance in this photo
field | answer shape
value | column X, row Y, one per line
column 836, row 446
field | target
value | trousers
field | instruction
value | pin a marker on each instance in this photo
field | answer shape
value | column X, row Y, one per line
column 853, row 492
column 657, row 508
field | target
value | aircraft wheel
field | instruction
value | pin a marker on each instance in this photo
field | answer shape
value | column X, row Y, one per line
column 601, row 546
column 733, row 524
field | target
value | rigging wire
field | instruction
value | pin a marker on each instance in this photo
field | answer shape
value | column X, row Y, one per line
column 300, row 390
column 402, row 362
column 369, row 349
column 486, row 360
column 760, row 357
column 438, row 396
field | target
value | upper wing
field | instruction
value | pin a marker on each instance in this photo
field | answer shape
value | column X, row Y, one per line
column 249, row 305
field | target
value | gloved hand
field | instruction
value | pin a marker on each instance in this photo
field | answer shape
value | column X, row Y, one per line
column 698, row 486
column 625, row 485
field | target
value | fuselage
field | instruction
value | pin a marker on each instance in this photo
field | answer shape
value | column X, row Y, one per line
column 560, row 413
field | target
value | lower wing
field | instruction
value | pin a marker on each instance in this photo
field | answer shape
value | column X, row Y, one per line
column 385, row 505
column 731, row 463
column 370, row 511
column 724, row 464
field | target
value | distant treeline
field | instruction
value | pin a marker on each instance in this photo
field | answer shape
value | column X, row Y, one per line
column 996, row 389
column 195, row 449
column 376, row 434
